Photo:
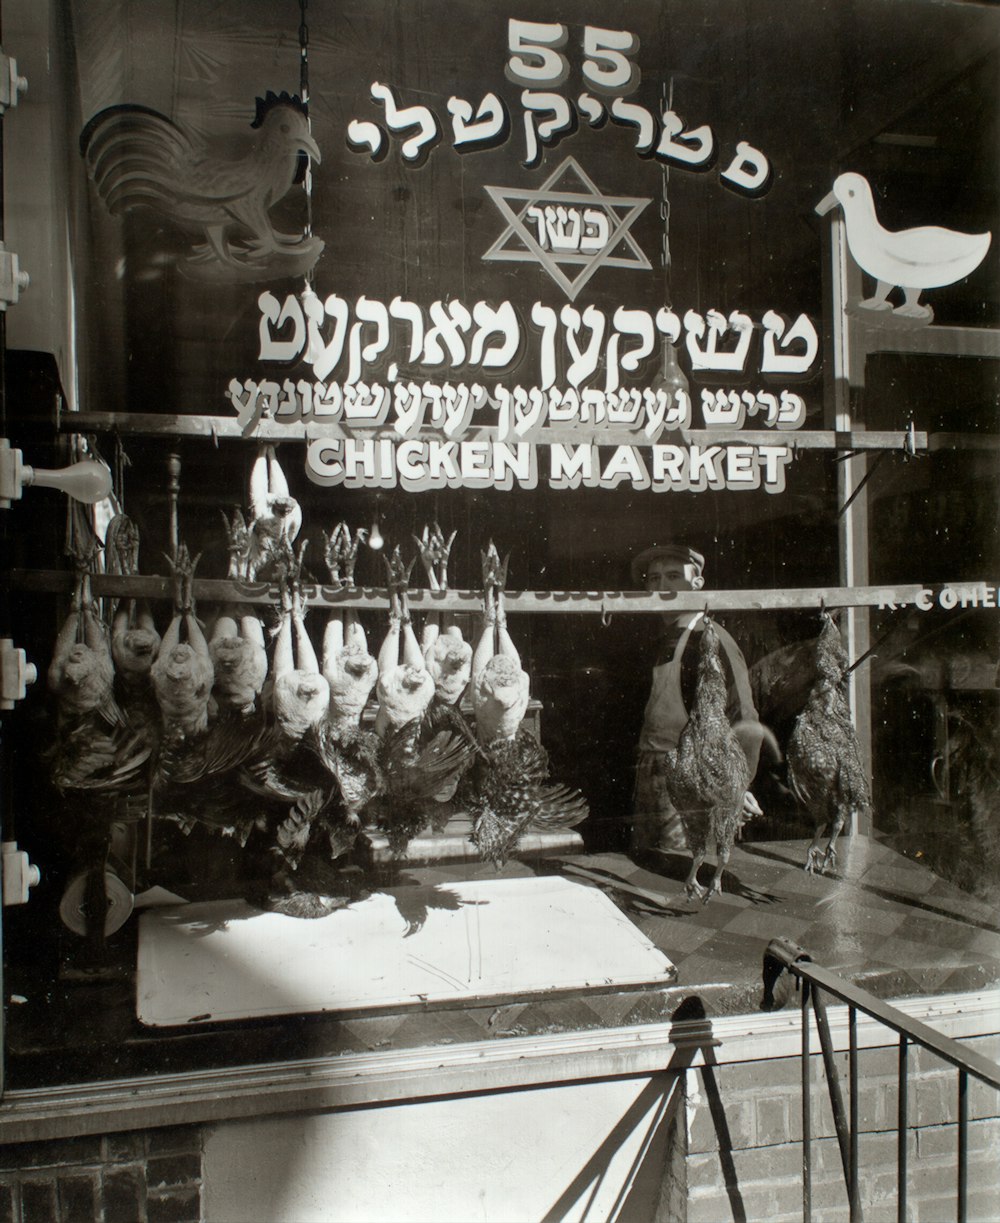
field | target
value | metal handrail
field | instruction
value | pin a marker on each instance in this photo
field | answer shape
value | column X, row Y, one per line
column 783, row 955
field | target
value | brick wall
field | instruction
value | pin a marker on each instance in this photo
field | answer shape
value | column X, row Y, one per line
column 145, row 1176
column 745, row 1140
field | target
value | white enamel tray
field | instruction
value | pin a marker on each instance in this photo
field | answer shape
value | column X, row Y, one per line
column 462, row 942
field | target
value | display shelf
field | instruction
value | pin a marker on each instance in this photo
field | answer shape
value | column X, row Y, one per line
column 981, row 593
column 277, row 430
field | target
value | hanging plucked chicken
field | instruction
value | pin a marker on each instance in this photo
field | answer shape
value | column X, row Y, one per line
column 507, row 788
column 311, row 833
column 236, row 643
column 418, row 771
column 347, row 750
column 195, row 776
column 447, row 655
column 96, row 757
column 95, row 748
column 825, row 769
column 275, row 518
column 135, row 643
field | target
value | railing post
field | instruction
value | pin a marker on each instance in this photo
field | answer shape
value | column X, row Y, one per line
column 901, row 1124
column 836, row 1097
column 963, row 1146
column 806, row 1111
column 854, row 1184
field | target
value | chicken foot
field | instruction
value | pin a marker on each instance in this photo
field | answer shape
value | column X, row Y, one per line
column 434, row 552
column 698, row 891
column 341, row 553
column 825, row 859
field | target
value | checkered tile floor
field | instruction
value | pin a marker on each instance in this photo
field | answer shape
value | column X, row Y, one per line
column 878, row 917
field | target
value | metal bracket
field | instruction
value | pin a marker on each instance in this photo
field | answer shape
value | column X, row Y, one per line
column 16, row 673
column 10, row 83
column 12, row 279
column 19, row 875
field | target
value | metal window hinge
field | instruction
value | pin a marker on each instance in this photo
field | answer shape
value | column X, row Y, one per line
column 16, row 673
column 10, row 83
column 12, row 279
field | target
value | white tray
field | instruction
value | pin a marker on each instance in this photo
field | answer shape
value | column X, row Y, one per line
column 224, row 960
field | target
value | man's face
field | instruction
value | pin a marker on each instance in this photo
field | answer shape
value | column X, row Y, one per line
column 667, row 574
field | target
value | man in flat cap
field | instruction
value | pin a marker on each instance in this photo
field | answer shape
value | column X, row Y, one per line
column 677, row 567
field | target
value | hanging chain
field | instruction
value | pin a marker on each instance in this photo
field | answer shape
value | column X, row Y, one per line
column 122, row 461
column 668, row 104
column 304, row 95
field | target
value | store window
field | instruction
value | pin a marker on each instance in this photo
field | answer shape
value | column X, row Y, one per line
column 316, row 280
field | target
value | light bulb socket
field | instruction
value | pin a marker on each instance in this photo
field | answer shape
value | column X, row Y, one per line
column 88, row 481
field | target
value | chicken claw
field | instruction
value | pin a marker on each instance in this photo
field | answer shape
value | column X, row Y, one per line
column 434, row 551
column 398, row 580
column 239, row 543
column 121, row 543
column 84, row 562
column 398, row 571
column 494, row 578
column 183, row 566
column 341, row 552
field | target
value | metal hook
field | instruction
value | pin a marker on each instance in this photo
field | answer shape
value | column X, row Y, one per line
column 605, row 616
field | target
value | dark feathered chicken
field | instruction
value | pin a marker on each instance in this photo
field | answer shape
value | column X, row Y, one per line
column 139, row 158
column 707, row 774
column 507, row 790
column 825, row 770
column 351, row 756
column 416, row 775
column 200, row 779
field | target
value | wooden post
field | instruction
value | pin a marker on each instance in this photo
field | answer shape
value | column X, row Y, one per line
column 173, row 492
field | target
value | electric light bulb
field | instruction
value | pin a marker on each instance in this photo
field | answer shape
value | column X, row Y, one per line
column 375, row 539
column 670, row 377
column 88, row 481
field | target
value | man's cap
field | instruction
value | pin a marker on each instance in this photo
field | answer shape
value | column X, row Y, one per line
column 675, row 552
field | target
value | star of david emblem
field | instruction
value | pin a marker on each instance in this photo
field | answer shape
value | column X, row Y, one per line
column 567, row 222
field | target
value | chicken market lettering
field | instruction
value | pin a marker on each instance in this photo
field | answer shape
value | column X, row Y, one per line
column 419, row 464
column 517, row 413
column 450, row 335
column 537, row 63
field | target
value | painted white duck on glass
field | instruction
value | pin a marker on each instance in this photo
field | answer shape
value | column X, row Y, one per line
column 927, row 257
